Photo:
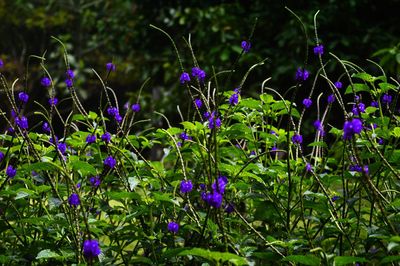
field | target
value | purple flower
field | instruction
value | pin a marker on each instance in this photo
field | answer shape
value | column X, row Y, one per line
column 308, row 167
column 216, row 199
column 352, row 127
column 198, row 103
column 307, row 102
column 91, row 248
column 11, row 171
column 1, row 156
column 355, row 168
column 214, row 121
column 23, row 97
column 183, row 136
column 53, row 101
column 173, row 227
column 317, row 125
column 62, row 147
column 45, row 81
column 22, row 122
column 136, row 107
column 1, row 63
column 375, row 104
column 106, row 137
column 69, row 83
column 184, row 78
column 110, row 162
column 302, row 74
column 78, row 186
column 297, row 139
column 319, row 50
column 91, row 138
column 70, row 74
column 335, row 198
column 386, row 98
column 331, row 98
column 13, row 113
column 95, row 181
column 246, row 46
column 186, row 186
column 338, row 84
column 110, row 66
column 222, row 182
column 234, row 99
column 112, row 110
column 206, row 115
column 357, row 109
column 198, row 73
column 381, row 141
column 74, row 200
column 118, row 118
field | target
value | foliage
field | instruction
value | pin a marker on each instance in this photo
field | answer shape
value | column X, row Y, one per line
column 241, row 180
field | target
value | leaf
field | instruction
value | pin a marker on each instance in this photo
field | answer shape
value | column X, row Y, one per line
column 343, row 260
column 364, row 76
column 41, row 166
column 390, row 259
column 303, row 259
column 357, row 88
column 215, row 256
column 396, row 132
column 318, row 144
column 83, row 168
column 250, row 103
column 46, row 254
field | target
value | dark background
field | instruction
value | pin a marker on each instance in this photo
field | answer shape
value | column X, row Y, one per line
column 96, row 32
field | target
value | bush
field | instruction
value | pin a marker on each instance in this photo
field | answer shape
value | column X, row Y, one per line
column 240, row 181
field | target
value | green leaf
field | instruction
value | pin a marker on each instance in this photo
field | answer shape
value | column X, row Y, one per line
column 390, row 259
column 357, row 88
column 364, row 76
column 344, row 260
column 46, row 254
column 40, row 166
column 396, row 132
column 83, row 168
column 385, row 87
column 318, row 144
column 250, row 103
column 214, row 256
column 303, row 259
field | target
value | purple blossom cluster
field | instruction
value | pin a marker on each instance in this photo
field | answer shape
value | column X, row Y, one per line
column 173, row 227
column 113, row 111
column 213, row 120
column 245, row 46
column 215, row 197
column 302, row 74
column 186, row 186
column 198, row 73
column 352, row 127
column 91, row 248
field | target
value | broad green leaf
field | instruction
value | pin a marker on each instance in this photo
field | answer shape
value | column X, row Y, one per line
column 303, row 259
column 357, row 88
column 318, row 144
column 344, row 260
column 390, row 259
column 364, row 76
column 215, row 256
column 83, row 168
column 46, row 254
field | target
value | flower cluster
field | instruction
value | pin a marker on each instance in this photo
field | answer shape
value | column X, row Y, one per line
column 113, row 111
column 215, row 197
column 184, row 78
column 91, row 138
column 307, row 102
column 21, row 122
column 245, row 46
column 297, row 139
column 53, row 101
column 69, row 81
column 198, row 103
column 173, row 227
column 213, row 120
column 136, row 107
column 74, row 200
column 11, row 171
column 91, row 248
column 234, row 99
column 95, row 181
column 110, row 162
column 302, row 74
column 23, row 97
column 198, row 73
column 358, row 108
column 352, row 127
column 45, row 81
column 106, row 137
column 110, row 66
column 186, row 186
column 319, row 50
